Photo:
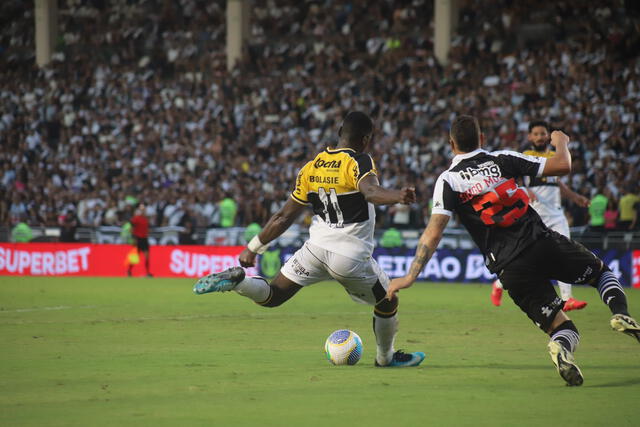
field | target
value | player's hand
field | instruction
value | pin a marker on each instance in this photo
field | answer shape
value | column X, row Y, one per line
column 532, row 195
column 247, row 258
column 407, row 195
column 559, row 137
column 582, row 201
column 397, row 284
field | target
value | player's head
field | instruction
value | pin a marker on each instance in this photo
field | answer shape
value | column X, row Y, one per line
column 356, row 131
column 465, row 135
column 539, row 136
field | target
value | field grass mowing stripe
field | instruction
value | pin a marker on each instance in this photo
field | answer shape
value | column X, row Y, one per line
column 58, row 307
column 271, row 315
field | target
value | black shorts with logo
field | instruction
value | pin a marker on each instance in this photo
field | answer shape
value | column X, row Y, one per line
column 142, row 243
column 528, row 277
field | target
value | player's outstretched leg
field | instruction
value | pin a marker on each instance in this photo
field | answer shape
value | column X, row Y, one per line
column 563, row 343
column 613, row 295
column 496, row 293
column 255, row 288
column 385, row 328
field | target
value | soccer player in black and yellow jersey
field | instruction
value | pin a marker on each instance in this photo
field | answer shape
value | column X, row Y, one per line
column 341, row 186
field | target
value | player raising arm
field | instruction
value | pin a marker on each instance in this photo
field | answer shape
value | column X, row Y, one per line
column 480, row 188
column 341, row 186
column 545, row 194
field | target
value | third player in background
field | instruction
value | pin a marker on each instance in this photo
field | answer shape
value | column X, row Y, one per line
column 545, row 194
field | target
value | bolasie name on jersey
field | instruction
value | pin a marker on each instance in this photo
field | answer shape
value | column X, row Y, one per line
column 324, row 179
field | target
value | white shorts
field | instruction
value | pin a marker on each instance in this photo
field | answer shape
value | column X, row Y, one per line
column 364, row 281
column 558, row 224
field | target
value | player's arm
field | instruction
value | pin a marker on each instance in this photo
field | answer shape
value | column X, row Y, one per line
column 427, row 246
column 378, row 195
column 560, row 163
column 281, row 221
column 277, row 224
column 567, row 193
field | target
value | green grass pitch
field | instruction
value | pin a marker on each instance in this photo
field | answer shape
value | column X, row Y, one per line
column 137, row 352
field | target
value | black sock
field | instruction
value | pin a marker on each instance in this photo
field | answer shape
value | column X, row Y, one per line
column 611, row 293
column 566, row 335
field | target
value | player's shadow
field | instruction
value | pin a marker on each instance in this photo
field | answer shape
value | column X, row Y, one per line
column 624, row 383
column 501, row 366
column 490, row 366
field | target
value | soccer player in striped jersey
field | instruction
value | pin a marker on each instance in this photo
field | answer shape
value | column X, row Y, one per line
column 341, row 186
column 544, row 196
column 481, row 188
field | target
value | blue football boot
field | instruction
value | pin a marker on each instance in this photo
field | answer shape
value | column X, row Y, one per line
column 403, row 360
column 219, row 282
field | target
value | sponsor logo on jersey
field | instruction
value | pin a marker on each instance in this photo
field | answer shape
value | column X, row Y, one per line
column 484, row 169
column 298, row 188
column 331, row 164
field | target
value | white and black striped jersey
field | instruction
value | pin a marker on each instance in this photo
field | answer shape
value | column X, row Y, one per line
column 480, row 187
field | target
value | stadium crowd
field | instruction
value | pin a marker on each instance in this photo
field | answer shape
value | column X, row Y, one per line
column 137, row 104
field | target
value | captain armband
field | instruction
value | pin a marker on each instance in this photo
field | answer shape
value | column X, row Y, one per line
column 256, row 246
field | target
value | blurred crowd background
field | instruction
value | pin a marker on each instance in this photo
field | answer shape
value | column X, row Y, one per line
column 138, row 105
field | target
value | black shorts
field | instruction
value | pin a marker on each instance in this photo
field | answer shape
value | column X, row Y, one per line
column 528, row 277
column 142, row 243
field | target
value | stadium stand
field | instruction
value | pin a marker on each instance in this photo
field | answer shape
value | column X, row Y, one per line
column 138, row 105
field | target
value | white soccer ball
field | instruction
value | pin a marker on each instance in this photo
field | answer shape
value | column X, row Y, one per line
column 343, row 347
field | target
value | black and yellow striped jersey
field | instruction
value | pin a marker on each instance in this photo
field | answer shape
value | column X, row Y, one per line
column 343, row 220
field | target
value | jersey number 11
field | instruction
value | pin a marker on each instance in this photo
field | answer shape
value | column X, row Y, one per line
column 331, row 207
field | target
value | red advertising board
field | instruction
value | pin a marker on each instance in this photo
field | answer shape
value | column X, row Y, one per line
column 80, row 259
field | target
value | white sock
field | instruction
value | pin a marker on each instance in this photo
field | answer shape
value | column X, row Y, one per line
column 497, row 283
column 565, row 290
column 385, row 330
column 255, row 288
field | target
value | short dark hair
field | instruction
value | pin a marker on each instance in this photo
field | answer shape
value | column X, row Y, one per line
column 465, row 132
column 537, row 123
column 356, row 126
